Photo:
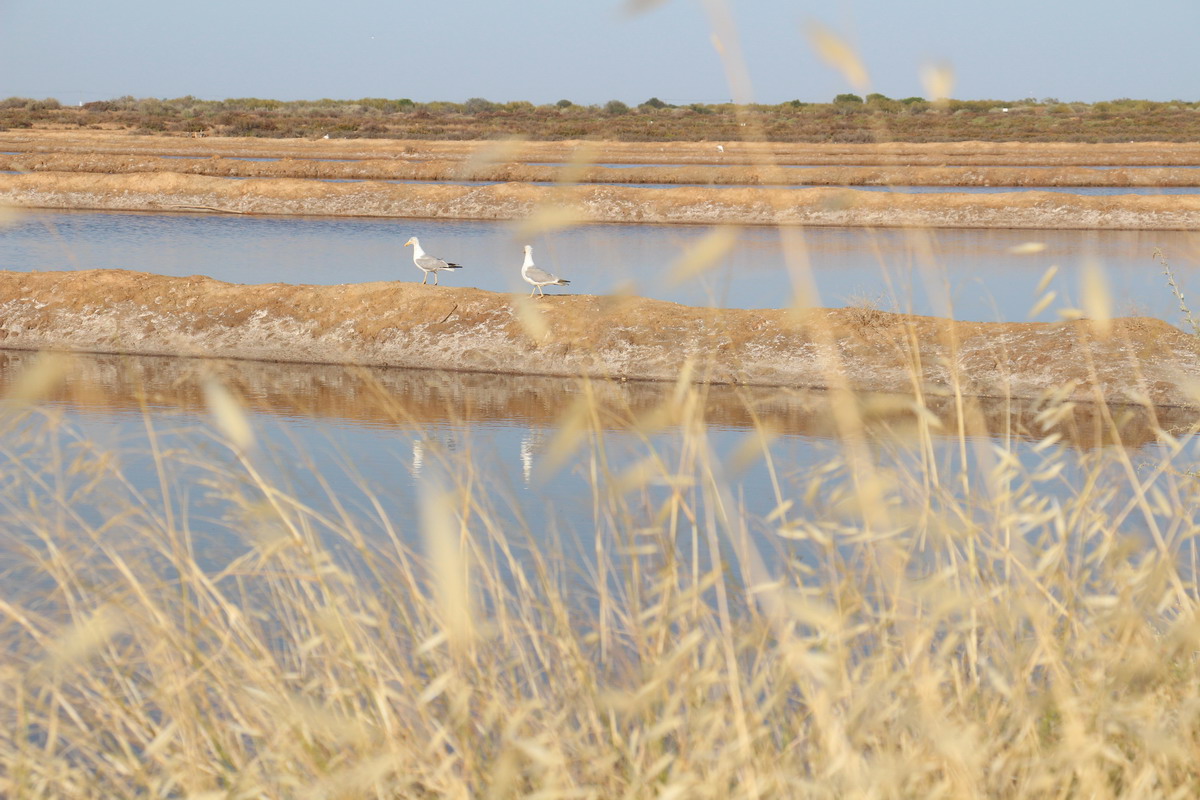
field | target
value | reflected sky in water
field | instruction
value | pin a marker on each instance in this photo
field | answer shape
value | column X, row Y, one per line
column 326, row 439
column 972, row 274
column 376, row 473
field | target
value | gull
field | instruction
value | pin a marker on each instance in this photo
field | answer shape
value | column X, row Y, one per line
column 537, row 276
column 427, row 263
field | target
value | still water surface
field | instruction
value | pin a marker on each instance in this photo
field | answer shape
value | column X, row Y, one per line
column 970, row 274
column 370, row 444
column 373, row 443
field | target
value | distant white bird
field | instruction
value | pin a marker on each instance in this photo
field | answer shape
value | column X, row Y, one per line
column 720, row 148
column 427, row 263
column 537, row 276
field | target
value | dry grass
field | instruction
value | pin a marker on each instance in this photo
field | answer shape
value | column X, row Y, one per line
column 928, row 613
column 909, row 120
column 897, row 627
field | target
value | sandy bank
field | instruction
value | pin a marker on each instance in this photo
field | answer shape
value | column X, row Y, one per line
column 409, row 325
column 732, row 152
column 166, row 191
column 468, row 170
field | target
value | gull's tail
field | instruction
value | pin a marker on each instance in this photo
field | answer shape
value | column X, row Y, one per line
column 563, row 281
column 452, row 265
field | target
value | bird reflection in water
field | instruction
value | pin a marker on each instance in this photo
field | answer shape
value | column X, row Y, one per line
column 418, row 455
column 427, row 446
column 531, row 444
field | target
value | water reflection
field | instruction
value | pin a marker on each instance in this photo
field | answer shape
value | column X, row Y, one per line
column 418, row 456
column 353, row 442
column 1094, row 191
column 443, row 405
column 969, row 274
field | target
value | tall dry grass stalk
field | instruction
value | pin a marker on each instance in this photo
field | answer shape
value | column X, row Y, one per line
column 1176, row 291
column 888, row 630
column 930, row 613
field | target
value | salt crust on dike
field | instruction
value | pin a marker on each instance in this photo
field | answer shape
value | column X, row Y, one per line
column 408, row 325
column 166, row 191
column 446, row 169
column 121, row 171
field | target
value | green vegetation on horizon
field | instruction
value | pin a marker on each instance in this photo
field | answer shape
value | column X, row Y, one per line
column 848, row 118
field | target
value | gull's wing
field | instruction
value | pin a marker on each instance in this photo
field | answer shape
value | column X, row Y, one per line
column 430, row 263
column 539, row 275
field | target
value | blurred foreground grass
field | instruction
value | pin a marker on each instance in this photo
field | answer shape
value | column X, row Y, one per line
column 920, row 632
column 1025, row 628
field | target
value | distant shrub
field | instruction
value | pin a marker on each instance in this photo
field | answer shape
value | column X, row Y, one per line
column 845, row 99
column 881, row 102
column 385, row 106
column 476, row 105
column 909, row 119
column 854, row 136
column 192, row 126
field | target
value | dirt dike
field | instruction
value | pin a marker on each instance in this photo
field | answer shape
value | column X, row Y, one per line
column 170, row 191
column 459, row 170
column 452, row 170
column 725, row 153
column 1138, row 361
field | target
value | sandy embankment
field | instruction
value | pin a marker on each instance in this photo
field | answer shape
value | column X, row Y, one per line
column 168, row 191
column 444, row 169
column 85, row 170
column 409, row 325
column 750, row 153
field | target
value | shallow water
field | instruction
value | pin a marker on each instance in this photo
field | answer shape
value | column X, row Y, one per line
column 968, row 273
column 1080, row 190
column 887, row 164
column 374, row 443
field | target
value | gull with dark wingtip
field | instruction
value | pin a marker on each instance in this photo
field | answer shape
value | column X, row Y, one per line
column 427, row 263
column 538, row 276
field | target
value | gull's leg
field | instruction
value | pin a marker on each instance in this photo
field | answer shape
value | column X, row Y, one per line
column 531, row 291
column 435, row 278
column 425, row 279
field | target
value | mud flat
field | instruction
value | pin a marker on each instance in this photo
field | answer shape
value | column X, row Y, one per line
column 169, row 191
column 1138, row 361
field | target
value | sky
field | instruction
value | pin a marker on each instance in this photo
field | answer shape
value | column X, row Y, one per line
column 592, row 51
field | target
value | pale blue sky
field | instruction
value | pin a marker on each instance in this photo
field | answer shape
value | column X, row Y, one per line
column 589, row 51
